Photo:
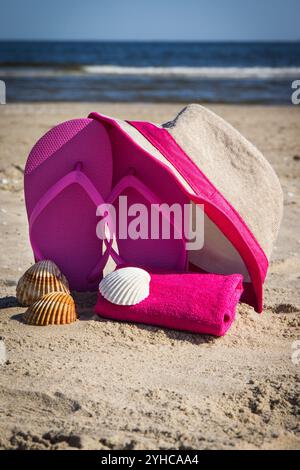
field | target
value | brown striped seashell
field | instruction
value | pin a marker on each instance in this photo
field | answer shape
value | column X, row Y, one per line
column 55, row 308
column 40, row 279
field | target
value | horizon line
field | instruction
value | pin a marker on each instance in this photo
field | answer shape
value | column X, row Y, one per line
column 152, row 40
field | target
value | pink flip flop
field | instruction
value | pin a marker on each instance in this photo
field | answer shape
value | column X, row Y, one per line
column 153, row 253
column 67, row 175
column 137, row 175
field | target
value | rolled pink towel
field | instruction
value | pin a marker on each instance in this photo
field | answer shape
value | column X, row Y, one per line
column 199, row 303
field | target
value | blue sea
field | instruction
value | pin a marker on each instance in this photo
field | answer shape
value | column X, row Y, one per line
column 226, row 72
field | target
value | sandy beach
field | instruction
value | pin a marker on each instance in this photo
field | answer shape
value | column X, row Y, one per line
column 98, row 384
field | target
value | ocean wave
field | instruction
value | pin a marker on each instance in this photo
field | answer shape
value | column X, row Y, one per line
column 159, row 72
column 201, row 72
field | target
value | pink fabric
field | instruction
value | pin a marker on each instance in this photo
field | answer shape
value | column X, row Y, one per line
column 199, row 303
column 217, row 208
column 67, row 175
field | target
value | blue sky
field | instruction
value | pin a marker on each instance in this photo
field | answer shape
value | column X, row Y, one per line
column 150, row 19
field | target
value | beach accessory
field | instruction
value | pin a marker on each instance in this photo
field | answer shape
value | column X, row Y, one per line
column 196, row 158
column 199, row 303
column 125, row 286
column 211, row 164
column 55, row 308
column 69, row 173
column 40, row 279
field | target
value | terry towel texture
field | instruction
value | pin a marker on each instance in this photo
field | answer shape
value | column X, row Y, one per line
column 199, row 303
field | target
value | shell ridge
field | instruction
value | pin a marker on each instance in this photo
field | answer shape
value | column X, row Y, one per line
column 125, row 286
column 53, row 308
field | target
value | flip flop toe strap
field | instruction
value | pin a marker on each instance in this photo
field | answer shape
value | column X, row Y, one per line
column 77, row 176
column 131, row 181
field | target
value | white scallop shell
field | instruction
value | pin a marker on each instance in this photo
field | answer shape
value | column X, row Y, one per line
column 126, row 286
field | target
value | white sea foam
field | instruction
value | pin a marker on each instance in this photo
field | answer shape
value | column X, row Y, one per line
column 171, row 72
column 201, row 72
